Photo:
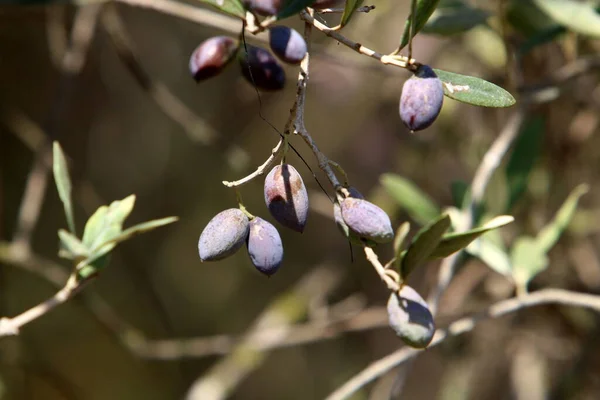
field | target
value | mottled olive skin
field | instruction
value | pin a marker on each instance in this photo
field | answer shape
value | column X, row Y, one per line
column 212, row 56
column 421, row 99
column 223, row 235
column 264, row 246
column 366, row 220
column 287, row 44
column 410, row 317
column 265, row 8
column 260, row 68
column 339, row 221
column 286, row 197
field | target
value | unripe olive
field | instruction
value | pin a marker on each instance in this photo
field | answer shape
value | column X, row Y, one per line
column 212, row 56
column 410, row 318
column 260, row 68
column 264, row 246
column 421, row 99
column 265, row 8
column 287, row 44
column 223, row 235
column 286, row 197
column 366, row 220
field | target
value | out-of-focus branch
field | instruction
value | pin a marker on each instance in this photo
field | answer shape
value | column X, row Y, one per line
column 276, row 321
column 73, row 61
column 490, row 162
column 464, row 325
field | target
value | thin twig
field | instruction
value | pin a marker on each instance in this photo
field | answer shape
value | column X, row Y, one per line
column 463, row 325
column 276, row 153
column 363, row 9
column 413, row 21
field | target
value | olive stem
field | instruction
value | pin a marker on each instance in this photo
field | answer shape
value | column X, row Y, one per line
column 391, row 282
column 363, row 9
column 413, row 21
column 276, row 153
column 392, row 59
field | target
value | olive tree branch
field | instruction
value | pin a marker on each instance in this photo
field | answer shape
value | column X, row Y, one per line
column 363, row 9
column 464, row 325
column 276, row 153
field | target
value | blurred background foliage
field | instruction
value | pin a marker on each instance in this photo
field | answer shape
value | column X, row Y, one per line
column 124, row 133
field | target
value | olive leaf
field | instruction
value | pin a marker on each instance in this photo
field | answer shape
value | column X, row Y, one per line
column 455, row 18
column 453, row 242
column 399, row 239
column 580, row 17
column 231, row 7
column 107, row 222
column 423, row 244
column 475, row 91
column 63, row 183
column 349, row 9
column 71, row 247
column 417, row 204
column 491, row 254
column 292, row 7
column 423, row 11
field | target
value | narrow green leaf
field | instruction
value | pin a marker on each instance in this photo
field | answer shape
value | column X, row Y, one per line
column 492, row 255
column 454, row 19
column 475, row 91
column 63, row 183
column 580, row 17
column 349, row 8
column 417, row 204
column 528, row 259
column 292, row 7
column 70, row 246
column 142, row 228
column 107, row 222
column 453, row 242
column 424, row 243
column 399, row 239
column 550, row 234
column 526, row 18
column 524, row 155
column 539, row 38
column 423, row 11
column 231, row 7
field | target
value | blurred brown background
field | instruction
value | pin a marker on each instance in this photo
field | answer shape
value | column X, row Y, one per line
column 121, row 141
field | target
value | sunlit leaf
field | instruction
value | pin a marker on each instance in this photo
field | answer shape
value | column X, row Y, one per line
column 475, row 91
column 524, row 155
column 550, row 234
column 492, row 255
column 107, row 222
column 528, row 259
column 63, row 183
column 453, row 242
column 231, row 7
column 417, row 204
column 423, row 244
column 423, row 11
column 349, row 8
column 580, row 17
column 70, row 246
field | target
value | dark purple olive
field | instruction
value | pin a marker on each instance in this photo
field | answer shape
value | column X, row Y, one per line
column 421, row 100
column 212, row 56
column 264, row 246
column 410, row 318
column 287, row 44
column 223, row 235
column 261, row 69
column 286, row 197
column 366, row 220
column 265, row 8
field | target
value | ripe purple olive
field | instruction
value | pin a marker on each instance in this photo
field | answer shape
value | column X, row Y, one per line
column 286, row 197
column 260, row 68
column 212, row 56
column 223, row 235
column 339, row 221
column 287, row 44
column 410, row 318
column 366, row 220
column 421, row 99
column 264, row 246
column 266, row 8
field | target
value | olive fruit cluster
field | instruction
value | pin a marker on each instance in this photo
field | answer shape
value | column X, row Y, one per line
column 257, row 64
column 421, row 99
column 360, row 220
column 287, row 200
column 410, row 317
